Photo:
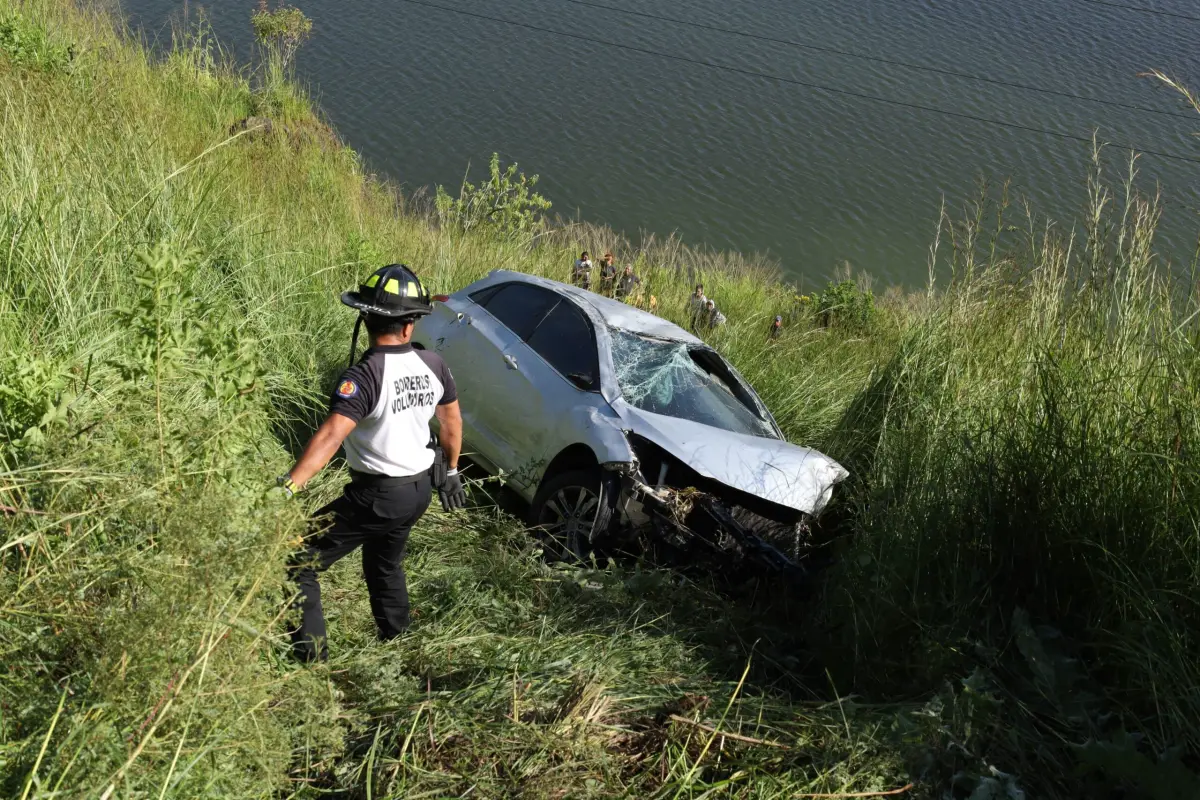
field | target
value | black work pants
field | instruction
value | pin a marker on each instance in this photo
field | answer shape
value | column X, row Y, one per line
column 379, row 519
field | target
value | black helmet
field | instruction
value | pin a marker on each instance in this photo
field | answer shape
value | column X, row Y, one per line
column 391, row 291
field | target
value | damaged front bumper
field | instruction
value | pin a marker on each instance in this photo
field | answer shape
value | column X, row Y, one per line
column 702, row 525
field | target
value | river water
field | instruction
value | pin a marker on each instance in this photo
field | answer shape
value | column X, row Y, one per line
column 623, row 134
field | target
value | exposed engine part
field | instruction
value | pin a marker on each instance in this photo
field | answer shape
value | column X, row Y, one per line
column 690, row 519
column 661, row 498
column 790, row 537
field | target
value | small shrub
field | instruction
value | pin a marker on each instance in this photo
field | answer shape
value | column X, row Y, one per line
column 33, row 399
column 281, row 32
column 845, row 303
column 179, row 342
column 505, row 203
column 27, row 45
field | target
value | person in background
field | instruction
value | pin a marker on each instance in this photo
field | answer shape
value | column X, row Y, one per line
column 628, row 284
column 697, row 306
column 776, row 328
column 608, row 274
column 712, row 317
column 581, row 276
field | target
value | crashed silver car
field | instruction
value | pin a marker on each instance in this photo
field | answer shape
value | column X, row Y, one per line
column 612, row 422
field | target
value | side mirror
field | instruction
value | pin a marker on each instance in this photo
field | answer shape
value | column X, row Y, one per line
column 582, row 380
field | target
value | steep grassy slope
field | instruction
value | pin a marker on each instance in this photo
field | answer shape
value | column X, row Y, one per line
column 1013, row 603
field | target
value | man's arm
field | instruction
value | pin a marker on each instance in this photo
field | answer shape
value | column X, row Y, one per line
column 323, row 445
column 449, row 419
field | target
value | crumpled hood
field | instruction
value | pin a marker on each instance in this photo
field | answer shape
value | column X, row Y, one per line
column 799, row 478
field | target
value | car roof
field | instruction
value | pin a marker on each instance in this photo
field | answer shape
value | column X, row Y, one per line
column 602, row 310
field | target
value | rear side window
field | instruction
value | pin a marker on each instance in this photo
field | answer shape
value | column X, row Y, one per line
column 519, row 306
column 565, row 339
column 483, row 295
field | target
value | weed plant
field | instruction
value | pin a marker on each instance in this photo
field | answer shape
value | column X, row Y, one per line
column 1012, row 608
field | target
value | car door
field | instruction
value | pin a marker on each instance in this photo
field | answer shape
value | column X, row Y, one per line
column 484, row 348
column 561, row 362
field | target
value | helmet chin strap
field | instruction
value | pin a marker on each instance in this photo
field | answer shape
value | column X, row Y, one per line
column 354, row 339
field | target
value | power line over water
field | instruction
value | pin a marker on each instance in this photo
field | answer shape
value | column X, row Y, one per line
column 890, row 62
column 1141, row 9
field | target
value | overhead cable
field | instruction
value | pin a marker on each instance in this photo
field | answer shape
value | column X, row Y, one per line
column 1142, row 9
column 880, row 60
column 792, row 81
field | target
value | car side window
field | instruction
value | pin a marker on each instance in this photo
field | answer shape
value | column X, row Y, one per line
column 566, row 340
column 518, row 306
column 483, row 295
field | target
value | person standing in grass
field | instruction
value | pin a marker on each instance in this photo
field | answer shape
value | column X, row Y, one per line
column 581, row 275
column 697, row 306
column 628, row 284
column 608, row 274
column 713, row 318
column 380, row 411
column 776, row 328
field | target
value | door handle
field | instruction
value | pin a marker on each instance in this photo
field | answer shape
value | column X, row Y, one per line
column 511, row 361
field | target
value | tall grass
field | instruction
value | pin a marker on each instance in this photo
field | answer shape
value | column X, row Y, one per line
column 1012, row 603
column 1031, row 486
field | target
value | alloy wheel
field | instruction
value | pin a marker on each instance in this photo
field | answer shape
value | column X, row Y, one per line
column 569, row 517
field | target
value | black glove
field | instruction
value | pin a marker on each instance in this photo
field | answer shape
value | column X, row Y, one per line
column 450, row 491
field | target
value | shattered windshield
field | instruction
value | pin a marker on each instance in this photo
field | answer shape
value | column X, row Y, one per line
column 663, row 377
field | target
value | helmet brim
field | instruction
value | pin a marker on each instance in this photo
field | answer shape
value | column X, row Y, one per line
column 354, row 300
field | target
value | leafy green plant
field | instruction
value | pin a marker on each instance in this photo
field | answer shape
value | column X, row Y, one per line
column 171, row 327
column 506, row 203
column 28, row 45
column 281, row 32
column 33, row 399
column 845, row 303
column 164, row 320
column 175, row 334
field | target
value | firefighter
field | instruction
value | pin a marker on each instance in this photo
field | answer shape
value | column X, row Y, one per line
column 380, row 410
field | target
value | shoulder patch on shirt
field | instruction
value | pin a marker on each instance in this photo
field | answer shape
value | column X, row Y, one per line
column 347, row 389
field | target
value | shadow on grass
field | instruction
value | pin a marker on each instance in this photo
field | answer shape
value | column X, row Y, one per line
column 728, row 618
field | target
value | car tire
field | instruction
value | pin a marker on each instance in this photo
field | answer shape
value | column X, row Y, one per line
column 573, row 510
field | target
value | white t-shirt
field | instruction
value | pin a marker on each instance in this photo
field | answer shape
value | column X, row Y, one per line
column 392, row 393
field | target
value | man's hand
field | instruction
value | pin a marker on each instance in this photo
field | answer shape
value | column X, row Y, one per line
column 284, row 489
column 451, row 492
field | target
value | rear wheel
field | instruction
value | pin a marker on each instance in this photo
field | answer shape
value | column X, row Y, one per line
column 573, row 510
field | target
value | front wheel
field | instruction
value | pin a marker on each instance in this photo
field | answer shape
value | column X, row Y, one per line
column 574, row 509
